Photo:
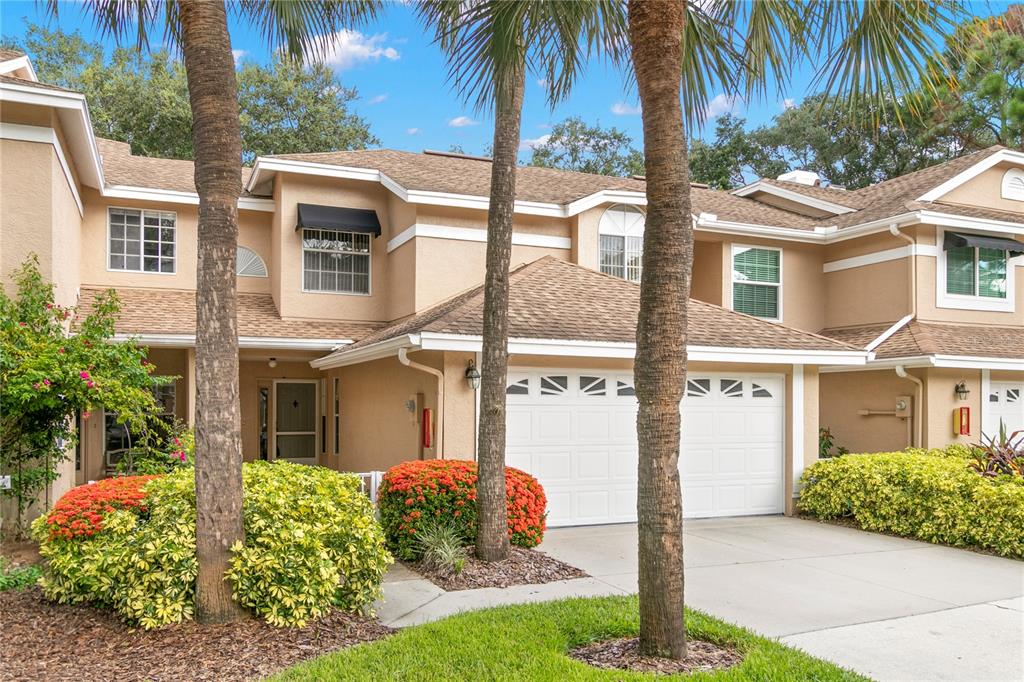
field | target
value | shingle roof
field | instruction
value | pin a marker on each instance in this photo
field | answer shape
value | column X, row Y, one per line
column 168, row 311
column 836, row 196
column 918, row 338
column 14, row 80
column 472, row 176
column 7, row 53
column 121, row 167
column 554, row 299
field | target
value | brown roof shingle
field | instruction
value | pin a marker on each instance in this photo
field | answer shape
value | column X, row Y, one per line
column 918, row 338
column 169, row 311
column 121, row 167
column 554, row 299
column 7, row 53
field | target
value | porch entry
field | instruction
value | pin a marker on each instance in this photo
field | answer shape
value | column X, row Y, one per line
column 293, row 433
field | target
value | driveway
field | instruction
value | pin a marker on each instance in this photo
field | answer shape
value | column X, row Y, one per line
column 889, row 608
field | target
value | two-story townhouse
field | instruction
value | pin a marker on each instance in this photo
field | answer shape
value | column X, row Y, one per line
column 360, row 306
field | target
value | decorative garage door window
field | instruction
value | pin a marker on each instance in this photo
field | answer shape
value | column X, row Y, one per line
column 1004, row 406
column 592, row 385
column 624, row 387
column 698, row 388
column 554, row 384
column 518, row 387
column 727, row 388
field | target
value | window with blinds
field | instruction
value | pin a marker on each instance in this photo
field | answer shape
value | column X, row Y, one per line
column 972, row 271
column 336, row 262
column 757, row 281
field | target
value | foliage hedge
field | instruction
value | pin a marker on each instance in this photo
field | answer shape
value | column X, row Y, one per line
column 929, row 495
column 414, row 494
column 311, row 542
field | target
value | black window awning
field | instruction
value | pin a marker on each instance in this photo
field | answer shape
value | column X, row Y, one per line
column 338, row 218
column 955, row 240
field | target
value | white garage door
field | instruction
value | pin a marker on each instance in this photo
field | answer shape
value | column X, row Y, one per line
column 576, row 432
column 1005, row 403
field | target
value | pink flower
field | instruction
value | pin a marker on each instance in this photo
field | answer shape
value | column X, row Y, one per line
column 182, row 455
column 61, row 350
column 177, row 441
column 83, row 374
column 46, row 382
column 86, row 414
column 90, row 384
column 49, row 306
column 22, row 324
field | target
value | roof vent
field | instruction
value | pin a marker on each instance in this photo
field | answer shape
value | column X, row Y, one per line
column 456, row 155
column 801, row 177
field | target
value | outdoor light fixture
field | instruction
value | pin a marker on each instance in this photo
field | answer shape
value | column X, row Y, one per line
column 961, row 390
column 272, row 363
column 473, row 376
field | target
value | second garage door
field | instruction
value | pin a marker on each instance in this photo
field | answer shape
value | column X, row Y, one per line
column 576, row 432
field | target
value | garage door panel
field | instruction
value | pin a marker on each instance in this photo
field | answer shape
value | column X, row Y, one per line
column 578, row 436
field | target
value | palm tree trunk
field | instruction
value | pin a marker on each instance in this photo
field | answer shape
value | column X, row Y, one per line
column 218, row 147
column 655, row 33
column 492, row 515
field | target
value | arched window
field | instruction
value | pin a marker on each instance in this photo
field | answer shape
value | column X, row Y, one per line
column 621, row 232
column 249, row 263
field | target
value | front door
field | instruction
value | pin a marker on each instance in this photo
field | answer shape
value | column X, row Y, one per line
column 295, row 422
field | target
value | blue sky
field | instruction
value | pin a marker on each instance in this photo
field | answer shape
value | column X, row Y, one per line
column 404, row 93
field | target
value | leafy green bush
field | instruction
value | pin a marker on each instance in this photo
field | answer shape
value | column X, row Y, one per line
column 442, row 548
column 919, row 495
column 311, row 541
column 17, row 577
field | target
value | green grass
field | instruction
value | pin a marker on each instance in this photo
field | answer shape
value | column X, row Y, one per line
column 530, row 642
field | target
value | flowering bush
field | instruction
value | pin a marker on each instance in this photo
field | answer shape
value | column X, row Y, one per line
column 311, row 541
column 80, row 512
column 164, row 447
column 413, row 495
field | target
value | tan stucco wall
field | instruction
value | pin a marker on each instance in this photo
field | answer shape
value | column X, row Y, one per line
column 26, row 206
column 842, row 394
column 708, row 272
column 940, row 401
column 984, row 190
column 871, row 294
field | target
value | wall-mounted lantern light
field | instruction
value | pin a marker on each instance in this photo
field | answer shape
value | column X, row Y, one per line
column 272, row 363
column 473, row 376
column 961, row 390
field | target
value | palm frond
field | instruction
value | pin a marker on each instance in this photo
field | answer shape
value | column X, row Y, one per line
column 304, row 29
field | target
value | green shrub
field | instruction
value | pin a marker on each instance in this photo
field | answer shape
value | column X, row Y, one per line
column 919, row 495
column 442, row 548
column 952, row 450
column 311, row 541
column 17, row 577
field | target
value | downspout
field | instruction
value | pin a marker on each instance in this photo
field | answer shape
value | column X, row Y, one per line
column 918, row 415
column 403, row 357
column 915, row 440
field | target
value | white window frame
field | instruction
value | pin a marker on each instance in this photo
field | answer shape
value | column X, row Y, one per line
column 369, row 268
column 734, row 248
column 976, row 302
column 142, row 225
column 625, row 234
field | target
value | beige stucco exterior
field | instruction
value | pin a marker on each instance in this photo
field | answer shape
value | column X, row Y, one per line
column 984, row 190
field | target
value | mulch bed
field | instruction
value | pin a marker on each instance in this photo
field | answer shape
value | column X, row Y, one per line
column 624, row 654
column 522, row 567
column 40, row 640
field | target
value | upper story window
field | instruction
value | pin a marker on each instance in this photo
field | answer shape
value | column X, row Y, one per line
column 335, row 262
column 141, row 241
column 621, row 232
column 757, row 281
column 976, row 272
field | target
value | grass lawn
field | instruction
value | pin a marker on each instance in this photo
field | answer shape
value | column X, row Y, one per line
column 530, row 642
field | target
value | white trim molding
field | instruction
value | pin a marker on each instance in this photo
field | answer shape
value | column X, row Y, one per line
column 791, row 195
column 950, row 361
column 43, row 135
column 20, row 63
column 884, row 336
column 972, row 172
column 470, row 234
column 876, row 257
column 178, row 197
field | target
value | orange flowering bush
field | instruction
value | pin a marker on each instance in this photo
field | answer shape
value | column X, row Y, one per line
column 418, row 493
column 80, row 512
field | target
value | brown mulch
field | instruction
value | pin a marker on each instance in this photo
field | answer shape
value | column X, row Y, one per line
column 20, row 552
column 40, row 640
column 522, row 567
column 624, row 654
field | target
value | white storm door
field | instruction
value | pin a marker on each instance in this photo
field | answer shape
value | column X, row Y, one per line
column 295, row 420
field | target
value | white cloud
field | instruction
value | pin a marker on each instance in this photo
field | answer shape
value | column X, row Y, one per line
column 533, row 143
column 377, row 99
column 238, row 54
column 788, row 103
column 462, row 122
column 346, row 49
column 623, row 109
column 542, row 82
column 413, row 131
column 721, row 104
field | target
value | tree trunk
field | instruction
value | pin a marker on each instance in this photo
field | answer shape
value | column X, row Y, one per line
column 492, row 515
column 218, row 148
column 655, row 34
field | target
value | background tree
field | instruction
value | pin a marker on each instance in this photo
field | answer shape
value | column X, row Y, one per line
column 199, row 28
column 866, row 52
column 48, row 377
column 142, row 98
column 490, row 45
column 576, row 146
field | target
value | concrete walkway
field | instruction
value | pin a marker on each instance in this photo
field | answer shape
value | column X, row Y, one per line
column 889, row 608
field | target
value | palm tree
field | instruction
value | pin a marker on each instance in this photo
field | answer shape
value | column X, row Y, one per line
column 866, row 50
column 200, row 29
column 490, row 45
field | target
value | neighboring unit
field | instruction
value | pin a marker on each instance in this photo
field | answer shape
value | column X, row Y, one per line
column 360, row 307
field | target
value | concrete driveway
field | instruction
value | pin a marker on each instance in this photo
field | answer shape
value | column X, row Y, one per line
column 889, row 608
